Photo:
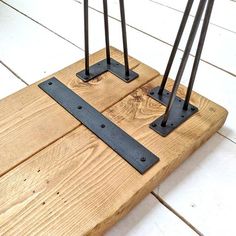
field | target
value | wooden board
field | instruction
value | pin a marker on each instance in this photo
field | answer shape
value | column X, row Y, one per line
column 63, row 180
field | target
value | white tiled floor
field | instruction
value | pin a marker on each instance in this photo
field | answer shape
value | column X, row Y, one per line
column 39, row 37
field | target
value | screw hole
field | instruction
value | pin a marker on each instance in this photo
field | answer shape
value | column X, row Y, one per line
column 171, row 124
column 79, row 107
column 152, row 93
column 49, row 83
column 103, row 126
column 143, row 159
column 167, row 93
column 179, row 100
column 182, row 116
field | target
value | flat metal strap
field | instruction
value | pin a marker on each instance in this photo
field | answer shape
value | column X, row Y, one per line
column 128, row 148
column 177, row 114
column 101, row 67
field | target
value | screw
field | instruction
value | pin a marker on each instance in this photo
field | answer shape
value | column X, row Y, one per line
column 143, row 159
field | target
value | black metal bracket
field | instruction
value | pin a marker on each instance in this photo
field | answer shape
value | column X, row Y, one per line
column 177, row 114
column 128, row 148
column 179, row 110
column 101, row 67
column 121, row 71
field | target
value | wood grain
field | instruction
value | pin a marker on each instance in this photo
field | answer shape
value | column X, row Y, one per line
column 30, row 120
column 79, row 186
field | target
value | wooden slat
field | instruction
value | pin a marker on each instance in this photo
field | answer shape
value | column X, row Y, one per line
column 30, row 120
column 78, row 185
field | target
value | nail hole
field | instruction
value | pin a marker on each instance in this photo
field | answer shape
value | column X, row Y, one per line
column 24, row 179
column 38, row 170
column 58, row 193
column 43, row 203
column 50, row 83
column 79, row 107
column 33, row 191
column 103, row 126
column 143, row 159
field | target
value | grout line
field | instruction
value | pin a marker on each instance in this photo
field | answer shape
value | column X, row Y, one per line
column 14, row 73
column 176, row 213
column 180, row 11
column 226, row 137
column 67, row 40
column 154, row 37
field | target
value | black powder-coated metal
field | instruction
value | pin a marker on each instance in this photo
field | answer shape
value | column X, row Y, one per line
column 184, row 60
column 177, row 114
column 101, row 67
column 128, row 148
column 176, row 44
column 199, row 51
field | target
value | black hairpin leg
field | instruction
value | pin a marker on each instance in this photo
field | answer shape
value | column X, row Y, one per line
column 106, row 26
column 178, row 110
column 86, row 38
column 124, row 36
column 199, row 52
column 121, row 71
column 176, row 44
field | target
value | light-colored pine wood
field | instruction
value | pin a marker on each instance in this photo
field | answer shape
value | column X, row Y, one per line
column 30, row 120
column 78, row 185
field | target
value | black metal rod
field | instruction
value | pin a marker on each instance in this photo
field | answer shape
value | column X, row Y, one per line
column 106, row 26
column 187, row 50
column 176, row 44
column 199, row 52
column 86, row 37
column 124, row 36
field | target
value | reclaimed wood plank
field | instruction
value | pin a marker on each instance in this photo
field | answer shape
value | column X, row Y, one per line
column 78, row 185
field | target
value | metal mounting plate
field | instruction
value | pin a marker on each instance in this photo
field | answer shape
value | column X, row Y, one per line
column 128, row 148
column 177, row 114
column 101, row 67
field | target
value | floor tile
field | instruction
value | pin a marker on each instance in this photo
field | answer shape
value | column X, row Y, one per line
column 202, row 189
column 30, row 50
column 150, row 218
column 9, row 83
